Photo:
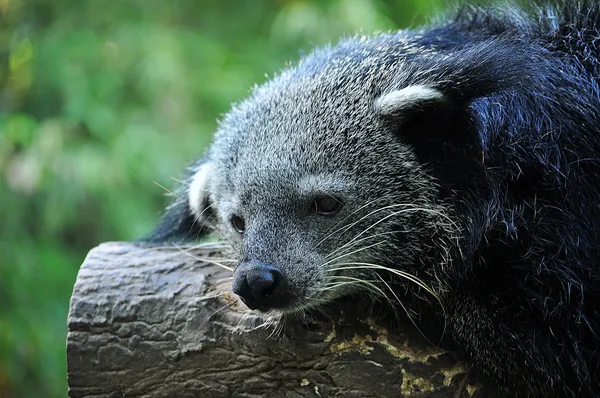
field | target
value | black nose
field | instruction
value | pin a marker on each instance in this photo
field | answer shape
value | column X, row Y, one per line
column 260, row 286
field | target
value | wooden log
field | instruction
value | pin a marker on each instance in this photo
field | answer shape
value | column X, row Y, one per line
column 161, row 322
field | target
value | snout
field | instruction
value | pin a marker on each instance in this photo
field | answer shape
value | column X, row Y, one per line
column 261, row 286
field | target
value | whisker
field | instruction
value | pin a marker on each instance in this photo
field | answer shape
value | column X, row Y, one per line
column 222, row 308
column 360, row 249
column 352, row 280
column 336, row 285
column 169, row 191
column 197, row 218
column 223, row 280
column 408, row 208
column 215, row 227
column 406, row 275
column 395, row 213
column 180, row 181
column 341, row 248
column 199, row 246
column 382, row 293
column 371, row 286
column 393, row 294
column 345, row 218
column 408, row 314
column 334, row 260
column 278, row 328
column 207, row 260
column 215, row 294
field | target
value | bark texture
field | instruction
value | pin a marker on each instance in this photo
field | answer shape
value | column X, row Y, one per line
column 161, row 322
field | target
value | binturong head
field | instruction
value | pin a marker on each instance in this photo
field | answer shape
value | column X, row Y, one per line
column 321, row 181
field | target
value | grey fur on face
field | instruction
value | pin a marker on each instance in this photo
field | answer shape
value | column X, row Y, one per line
column 318, row 130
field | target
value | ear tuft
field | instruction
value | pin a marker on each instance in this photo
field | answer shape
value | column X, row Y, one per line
column 198, row 193
column 395, row 103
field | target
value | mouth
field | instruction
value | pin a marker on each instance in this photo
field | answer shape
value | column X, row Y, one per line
column 255, row 306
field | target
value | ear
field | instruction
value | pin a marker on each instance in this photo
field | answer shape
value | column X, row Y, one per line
column 198, row 191
column 401, row 104
column 431, row 97
column 185, row 218
column 418, row 113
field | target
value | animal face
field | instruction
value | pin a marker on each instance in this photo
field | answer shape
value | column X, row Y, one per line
column 315, row 192
column 321, row 181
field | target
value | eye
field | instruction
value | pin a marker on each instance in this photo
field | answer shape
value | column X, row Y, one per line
column 327, row 204
column 238, row 224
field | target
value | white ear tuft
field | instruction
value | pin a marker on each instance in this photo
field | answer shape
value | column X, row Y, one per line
column 198, row 190
column 393, row 103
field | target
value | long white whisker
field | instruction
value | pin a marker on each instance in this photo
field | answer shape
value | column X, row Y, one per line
column 411, row 207
column 180, row 181
column 171, row 193
column 207, row 260
column 405, row 309
column 200, row 246
column 215, row 294
column 326, row 263
column 389, row 216
column 213, row 225
column 354, row 243
column 335, row 286
column 361, row 281
column 406, row 275
column 221, row 309
column 345, row 218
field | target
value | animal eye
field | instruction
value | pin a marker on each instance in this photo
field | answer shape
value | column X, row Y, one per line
column 327, row 205
column 238, row 224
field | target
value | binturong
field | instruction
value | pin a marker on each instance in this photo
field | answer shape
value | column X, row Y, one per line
column 452, row 171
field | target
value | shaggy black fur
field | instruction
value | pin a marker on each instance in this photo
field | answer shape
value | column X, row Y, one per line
column 527, row 185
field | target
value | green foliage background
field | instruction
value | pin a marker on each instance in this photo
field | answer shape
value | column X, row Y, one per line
column 99, row 99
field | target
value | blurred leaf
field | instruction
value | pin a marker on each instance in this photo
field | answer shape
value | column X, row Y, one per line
column 17, row 129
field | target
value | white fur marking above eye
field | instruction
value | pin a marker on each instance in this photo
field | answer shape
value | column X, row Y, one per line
column 392, row 104
column 198, row 192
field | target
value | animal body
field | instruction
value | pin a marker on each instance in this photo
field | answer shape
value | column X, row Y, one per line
column 452, row 170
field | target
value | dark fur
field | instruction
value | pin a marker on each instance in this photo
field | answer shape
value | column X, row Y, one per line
column 516, row 154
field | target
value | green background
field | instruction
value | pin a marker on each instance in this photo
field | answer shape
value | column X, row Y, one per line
column 101, row 99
